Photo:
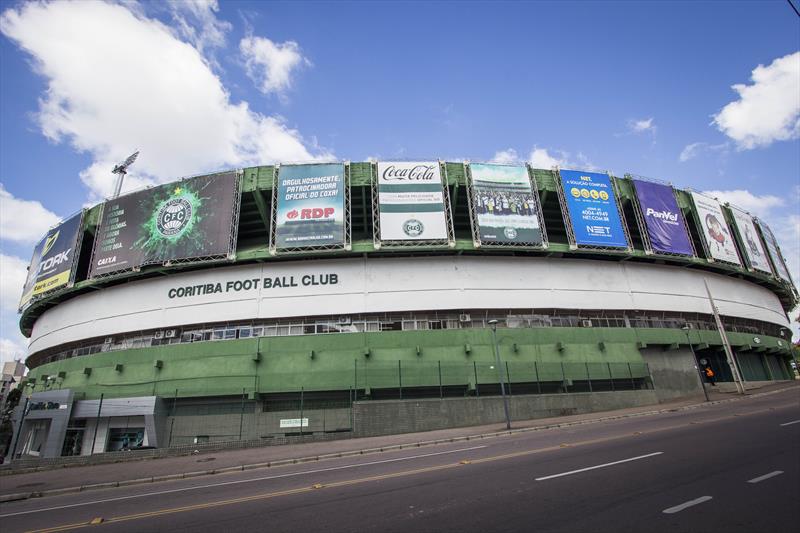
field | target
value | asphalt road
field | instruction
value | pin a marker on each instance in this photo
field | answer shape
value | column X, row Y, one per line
column 728, row 467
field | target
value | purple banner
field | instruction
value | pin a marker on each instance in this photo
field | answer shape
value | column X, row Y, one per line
column 663, row 218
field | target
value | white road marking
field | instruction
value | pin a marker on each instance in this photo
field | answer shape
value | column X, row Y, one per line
column 598, row 466
column 264, row 478
column 766, row 476
column 681, row 507
column 790, row 423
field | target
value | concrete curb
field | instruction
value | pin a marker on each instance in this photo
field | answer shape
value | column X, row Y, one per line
column 365, row 451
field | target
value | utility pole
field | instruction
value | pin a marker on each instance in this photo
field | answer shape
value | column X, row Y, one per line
column 725, row 343
column 493, row 323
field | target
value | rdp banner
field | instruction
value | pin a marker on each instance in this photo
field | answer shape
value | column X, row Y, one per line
column 715, row 229
column 504, row 204
column 753, row 249
column 310, row 207
column 663, row 218
column 180, row 221
column 411, row 201
column 592, row 208
column 53, row 259
column 774, row 252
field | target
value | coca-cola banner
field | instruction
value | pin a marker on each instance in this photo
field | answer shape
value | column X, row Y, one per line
column 310, row 208
column 503, row 201
column 753, row 249
column 411, row 201
column 663, row 218
column 715, row 229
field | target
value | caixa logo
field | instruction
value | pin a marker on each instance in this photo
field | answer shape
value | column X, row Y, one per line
column 174, row 217
column 311, row 213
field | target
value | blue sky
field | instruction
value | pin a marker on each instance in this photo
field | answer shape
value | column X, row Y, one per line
column 639, row 87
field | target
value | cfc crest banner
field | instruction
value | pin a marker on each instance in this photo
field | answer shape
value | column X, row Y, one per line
column 411, row 201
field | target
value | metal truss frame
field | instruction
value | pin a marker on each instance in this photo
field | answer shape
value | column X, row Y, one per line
column 702, row 234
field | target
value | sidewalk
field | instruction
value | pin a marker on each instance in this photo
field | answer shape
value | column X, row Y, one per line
column 74, row 479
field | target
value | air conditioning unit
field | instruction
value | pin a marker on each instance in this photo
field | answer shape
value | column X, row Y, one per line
column 586, row 323
column 170, row 333
column 345, row 320
column 464, row 317
column 158, row 335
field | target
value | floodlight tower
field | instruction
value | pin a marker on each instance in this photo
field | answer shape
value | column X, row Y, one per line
column 122, row 169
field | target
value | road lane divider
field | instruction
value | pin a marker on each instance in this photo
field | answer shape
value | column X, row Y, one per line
column 686, row 505
column 790, row 423
column 765, row 476
column 604, row 465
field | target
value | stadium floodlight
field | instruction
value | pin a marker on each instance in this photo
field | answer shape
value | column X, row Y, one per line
column 122, row 169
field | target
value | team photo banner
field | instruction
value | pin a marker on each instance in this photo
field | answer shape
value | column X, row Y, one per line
column 663, row 218
column 753, row 249
column 774, row 252
column 184, row 220
column 53, row 259
column 504, row 204
column 311, row 206
column 592, row 208
column 715, row 230
column 411, row 201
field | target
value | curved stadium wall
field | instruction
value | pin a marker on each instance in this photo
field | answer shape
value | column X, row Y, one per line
column 267, row 329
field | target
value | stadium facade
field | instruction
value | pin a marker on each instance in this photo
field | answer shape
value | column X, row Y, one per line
column 359, row 298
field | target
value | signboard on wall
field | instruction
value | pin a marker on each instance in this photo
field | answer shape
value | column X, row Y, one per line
column 53, row 259
column 753, row 249
column 715, row 229
column 411, row 201
column 593, row 210
column 310, row 206
column 663, row 218
column 504, row 205
column 179, row 221
column 774, row 251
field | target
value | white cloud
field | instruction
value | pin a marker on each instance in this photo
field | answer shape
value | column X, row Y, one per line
column 13, row 272
column 506, row 157
column 541, row 158
column 155, row 93
column 768, row 110
column 545, row 158
column 24, row 221
column 271, row 65
column 690, row 151
column 197, row 22
column 12, row 349
column 757, row 205
column 642, row 125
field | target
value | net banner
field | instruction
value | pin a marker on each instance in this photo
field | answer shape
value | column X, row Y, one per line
column 663, row 218
column 593, row 210
column 774, row 251
column 311, row 206
column 504, row 204
column 715, row 229
column 53, row 259
column 180, row 221
column 753, row 249
column 411, row 201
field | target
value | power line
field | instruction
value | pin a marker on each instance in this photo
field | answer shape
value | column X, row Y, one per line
column 794, row 8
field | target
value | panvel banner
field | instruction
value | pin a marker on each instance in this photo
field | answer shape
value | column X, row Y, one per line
column 188, row 219
column 753, row 249
column 663, row 218
column 774, row 252
column 715, row 230
column 310, row 207
column 53, row 259
column 592, row 208
column 504, row 204
column 411, row 201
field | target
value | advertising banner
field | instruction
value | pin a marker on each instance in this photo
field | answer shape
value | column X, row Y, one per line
column 663, row 218
column 593, row 209
column 753, row 248
column 188, row 219
column 411, row 201
column 774, row 252
column 715, row 230
column 53, row 258
column 504, row 204
column 310, row 206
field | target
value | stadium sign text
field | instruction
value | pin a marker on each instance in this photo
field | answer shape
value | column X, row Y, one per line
column 277, row 282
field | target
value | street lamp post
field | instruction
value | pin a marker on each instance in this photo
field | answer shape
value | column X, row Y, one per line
column 493, row 323
column 696, row 362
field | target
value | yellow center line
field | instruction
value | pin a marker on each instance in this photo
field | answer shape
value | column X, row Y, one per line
column 357, row 481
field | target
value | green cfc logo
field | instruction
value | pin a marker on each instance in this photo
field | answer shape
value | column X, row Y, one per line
column 413, row 227
column 510, row 233
column 173, row 217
